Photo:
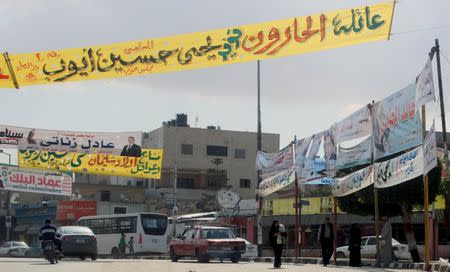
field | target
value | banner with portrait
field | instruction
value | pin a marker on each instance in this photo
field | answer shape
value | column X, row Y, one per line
column 330, row 151
column 125, row 143
column 397, row 123
column 148, row 165
column 35, row 181
column 356, row 125
column 354, row 182
column 271, row 164
column 266, row 40
column 399, row 169
column 359, row 154
column 429, row 151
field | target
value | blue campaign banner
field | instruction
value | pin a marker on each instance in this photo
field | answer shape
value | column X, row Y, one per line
column 397, row 125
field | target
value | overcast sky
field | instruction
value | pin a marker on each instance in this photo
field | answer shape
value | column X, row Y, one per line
column 301, row 95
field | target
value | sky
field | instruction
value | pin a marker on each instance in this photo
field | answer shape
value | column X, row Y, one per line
column 301, row 95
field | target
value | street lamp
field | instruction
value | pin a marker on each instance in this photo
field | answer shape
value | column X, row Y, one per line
column 8, row 201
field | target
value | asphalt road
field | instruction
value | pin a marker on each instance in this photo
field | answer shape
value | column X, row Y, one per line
column 74, row 265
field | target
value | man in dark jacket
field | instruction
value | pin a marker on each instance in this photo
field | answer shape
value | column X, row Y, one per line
column 326, row 238
column 132, row 149
column 48, row 233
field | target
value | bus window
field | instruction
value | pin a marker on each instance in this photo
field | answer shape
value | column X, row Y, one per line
column 154, row 224
column 97, row 226
column 110, row 226
column 127, row 224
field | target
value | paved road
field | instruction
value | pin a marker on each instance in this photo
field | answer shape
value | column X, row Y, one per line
column 73, row 265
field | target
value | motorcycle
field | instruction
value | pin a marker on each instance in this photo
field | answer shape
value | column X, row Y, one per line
column 50, row 252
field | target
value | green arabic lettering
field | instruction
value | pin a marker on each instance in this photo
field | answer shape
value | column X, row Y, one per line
column 375, row 22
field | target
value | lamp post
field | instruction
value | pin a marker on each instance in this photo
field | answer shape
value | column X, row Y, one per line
column 8, row 201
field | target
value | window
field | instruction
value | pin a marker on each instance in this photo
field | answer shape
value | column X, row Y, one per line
column 127, row 224
column 217, row 150
column 187, row 149
column 96, row 225
column 245, row 183
column 189, row 234
column 371, row 242
column 363, row 241
column 120, row 210
column 154, row 224
column 239, row 153
column 187, row 183
column 110, row 226
column 105, row 195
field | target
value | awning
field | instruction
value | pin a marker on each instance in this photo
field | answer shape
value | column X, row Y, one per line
column 33, row 230
column 21, row 228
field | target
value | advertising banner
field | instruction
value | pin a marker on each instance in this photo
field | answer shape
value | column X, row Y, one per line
column 70, row 141
column 356, row 155
column 301, row 150
column 230, row 45
column 425, row 86
column 329, row 146
column 400, row 169
column 35, row 181
column 429, row 151
column 146, row 166
column 353, row 182
column 356, row 125
column 397, row 124
column 272, row 164
column 277, row 182
column 73, row 210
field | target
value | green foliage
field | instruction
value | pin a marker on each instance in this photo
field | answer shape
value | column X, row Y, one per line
column 409, row 193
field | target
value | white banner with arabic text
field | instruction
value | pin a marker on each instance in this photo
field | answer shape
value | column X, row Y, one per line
column 354, row 182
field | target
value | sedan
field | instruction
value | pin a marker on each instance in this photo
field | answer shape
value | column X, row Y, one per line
column 369, row 249
column 78, row 241
column 13, row 248
column 251, row 250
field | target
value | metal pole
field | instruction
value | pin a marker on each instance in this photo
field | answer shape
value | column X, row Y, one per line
column 296, row 226
column 300, row 220
column 377, row 219
column 8, row 201
column 426, row 202
column 334, row 228
column 259, row 147
column 444, row 128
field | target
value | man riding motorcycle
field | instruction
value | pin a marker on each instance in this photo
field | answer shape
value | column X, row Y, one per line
column 48, row 233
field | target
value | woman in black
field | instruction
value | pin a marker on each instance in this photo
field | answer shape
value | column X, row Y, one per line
column 277, row 234
column 355, row 245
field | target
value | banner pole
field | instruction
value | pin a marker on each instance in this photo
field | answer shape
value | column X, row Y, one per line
column 392, row 19
column 334, row 229
column 11, row 70
column 425, row 203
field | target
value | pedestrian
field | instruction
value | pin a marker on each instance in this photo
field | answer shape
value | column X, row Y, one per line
column 326, row 238
column 354, row 245
column 131, row 245
column 122, row 244
column 386, row 251
column 277, row 236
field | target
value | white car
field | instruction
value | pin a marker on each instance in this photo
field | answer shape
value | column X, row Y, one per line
column 251, row 250
column 369, row 249
column 13, row 248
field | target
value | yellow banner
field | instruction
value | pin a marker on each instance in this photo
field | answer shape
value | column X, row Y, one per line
column 204, row 49
column 146, row 166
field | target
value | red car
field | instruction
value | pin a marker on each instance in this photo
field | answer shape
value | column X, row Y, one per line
column 206, row 242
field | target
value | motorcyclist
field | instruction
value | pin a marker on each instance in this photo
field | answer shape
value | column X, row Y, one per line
column 48, row 233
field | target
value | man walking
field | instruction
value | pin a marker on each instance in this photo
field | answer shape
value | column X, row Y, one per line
column 326, row 238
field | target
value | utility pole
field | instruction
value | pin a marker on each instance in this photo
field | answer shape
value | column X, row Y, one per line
column 8, row 203
column 425, row 202
column 259, row 147
column 175, row 174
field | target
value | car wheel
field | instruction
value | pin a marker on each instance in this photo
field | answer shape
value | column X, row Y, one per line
column 94, row 257
column 82, row 258
column 201, row 258
column 235, row 259
column 340, row 254
column 173, row 256
column 115, row 253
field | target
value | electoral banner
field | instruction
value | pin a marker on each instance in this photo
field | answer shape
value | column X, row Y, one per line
column 146, row 166
column 356, row 125
column 272, row 164
column 35, row 181
column 429, row 151
column 122, row 143
column 275, row 183
column 400, row 169
column 356, row 155
column 353, row 182
column 397, row 125
column 425, row 86
column 330, row 150
column 203, row 49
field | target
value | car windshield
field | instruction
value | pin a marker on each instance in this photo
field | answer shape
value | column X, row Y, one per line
column 217, row 234
column 154, row 224
column 19, row 244
column 76, row 230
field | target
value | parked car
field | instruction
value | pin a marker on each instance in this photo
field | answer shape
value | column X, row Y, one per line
column 13, row 248
column 78, row 241
column 206, row 242
column 35, row 251
column 251, row 250
column 369, row 249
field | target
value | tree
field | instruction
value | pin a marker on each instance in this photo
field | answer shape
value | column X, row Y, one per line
column 397, row 200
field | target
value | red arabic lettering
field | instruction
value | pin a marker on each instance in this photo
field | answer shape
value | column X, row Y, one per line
column 288, row 35
column 140, row 47
column 252, row 38
column 274, row 37
column 308, row 33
